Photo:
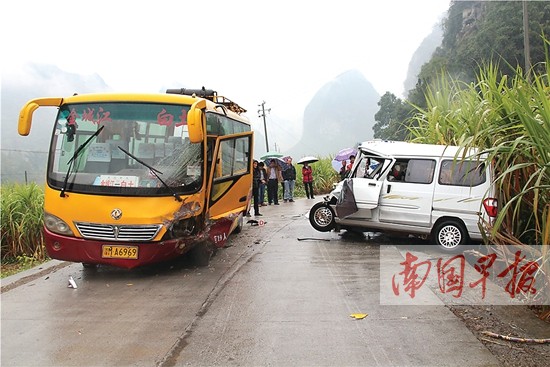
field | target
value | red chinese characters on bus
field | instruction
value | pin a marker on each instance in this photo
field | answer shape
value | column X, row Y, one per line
column 167, row 119
column 71, row 119
column 98, row 118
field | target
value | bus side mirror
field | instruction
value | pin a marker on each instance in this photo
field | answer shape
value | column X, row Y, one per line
column 25, row 115
column 195, row 121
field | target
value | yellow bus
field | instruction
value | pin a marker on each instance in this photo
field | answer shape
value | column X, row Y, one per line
column 136, row 179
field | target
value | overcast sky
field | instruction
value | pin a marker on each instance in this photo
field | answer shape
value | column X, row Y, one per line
column 279, row 51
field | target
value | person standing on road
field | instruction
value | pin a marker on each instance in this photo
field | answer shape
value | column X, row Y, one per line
column 289, row 177
column 256, row 188
column 263, row 183
column 307, row 179
column 274, row 176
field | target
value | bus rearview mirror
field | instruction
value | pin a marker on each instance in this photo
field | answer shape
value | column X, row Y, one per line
column 195, row 121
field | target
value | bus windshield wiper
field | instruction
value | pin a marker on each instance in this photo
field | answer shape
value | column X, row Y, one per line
column 154, row 171
column 75, row 155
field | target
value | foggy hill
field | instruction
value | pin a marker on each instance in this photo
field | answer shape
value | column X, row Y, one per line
column 340, row 115
column 422, row 55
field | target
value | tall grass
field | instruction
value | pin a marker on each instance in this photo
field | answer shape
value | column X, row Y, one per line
column 509, row 119
column 21, row 221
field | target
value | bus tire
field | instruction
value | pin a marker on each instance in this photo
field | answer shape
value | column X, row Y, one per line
column 239, row 226
column 450, row 235
column 200, row 254
column 322, row 217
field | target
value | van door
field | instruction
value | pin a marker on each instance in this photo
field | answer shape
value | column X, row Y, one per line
column 230, row 182
column 366, row 180
column 407, row 192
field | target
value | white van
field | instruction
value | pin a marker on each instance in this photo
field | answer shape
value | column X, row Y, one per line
column 434, row 191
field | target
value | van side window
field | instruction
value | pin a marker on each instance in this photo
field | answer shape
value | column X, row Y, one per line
column 397, row 172
column 420, row 171
column 461, row 173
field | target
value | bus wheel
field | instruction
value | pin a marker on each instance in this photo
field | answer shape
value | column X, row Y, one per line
column 449, row 235
column 239, row 226
column 322, row 217
column 201, row 254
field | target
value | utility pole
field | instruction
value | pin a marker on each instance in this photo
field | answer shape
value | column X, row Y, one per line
column 261, row 113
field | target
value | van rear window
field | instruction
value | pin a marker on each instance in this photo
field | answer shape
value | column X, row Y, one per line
column 461, row 173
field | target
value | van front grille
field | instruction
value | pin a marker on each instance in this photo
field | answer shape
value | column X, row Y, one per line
column 118, row 233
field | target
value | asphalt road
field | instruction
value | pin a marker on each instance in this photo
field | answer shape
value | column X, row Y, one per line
column 279, row 294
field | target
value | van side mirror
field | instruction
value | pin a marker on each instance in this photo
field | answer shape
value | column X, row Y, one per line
column 25, row 115
column 195, row 121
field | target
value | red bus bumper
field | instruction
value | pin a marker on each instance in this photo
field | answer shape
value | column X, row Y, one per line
column 90, row 251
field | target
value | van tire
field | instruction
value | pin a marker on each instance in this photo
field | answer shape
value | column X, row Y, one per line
column 322, row 217
column 450, row 235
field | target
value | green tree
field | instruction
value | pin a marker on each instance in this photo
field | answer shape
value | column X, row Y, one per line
column 391, row 119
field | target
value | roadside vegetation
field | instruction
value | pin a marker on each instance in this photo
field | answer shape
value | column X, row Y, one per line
column 509, row 119
column 21, row 227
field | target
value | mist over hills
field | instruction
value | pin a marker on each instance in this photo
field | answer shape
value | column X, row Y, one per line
column 340, row 115
column 25, row 157
column 422, row 55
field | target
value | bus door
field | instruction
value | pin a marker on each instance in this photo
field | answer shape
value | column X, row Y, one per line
column 230, row 183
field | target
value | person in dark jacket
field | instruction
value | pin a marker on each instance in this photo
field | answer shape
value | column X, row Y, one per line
column 263, row 183
column 289, row 178
column 256, row 188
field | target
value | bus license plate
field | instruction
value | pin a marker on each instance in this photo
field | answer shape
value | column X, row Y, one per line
column 119, row 252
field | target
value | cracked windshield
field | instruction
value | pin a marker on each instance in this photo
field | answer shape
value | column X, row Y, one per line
column 139, row 148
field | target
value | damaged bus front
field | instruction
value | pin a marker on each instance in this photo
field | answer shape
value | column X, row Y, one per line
column 135, row 179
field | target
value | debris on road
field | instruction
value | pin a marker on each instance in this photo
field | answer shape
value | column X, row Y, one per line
column 359, row 316
column 72, row 283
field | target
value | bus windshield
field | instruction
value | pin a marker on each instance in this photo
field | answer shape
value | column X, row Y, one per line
column 122, row 148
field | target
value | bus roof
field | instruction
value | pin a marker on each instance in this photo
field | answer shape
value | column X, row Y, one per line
column 390, row 148
column 233, row 109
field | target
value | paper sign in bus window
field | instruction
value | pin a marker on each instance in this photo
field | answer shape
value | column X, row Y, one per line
column 99, row 152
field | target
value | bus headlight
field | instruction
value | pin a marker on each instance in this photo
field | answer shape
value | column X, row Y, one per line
column 56, row 225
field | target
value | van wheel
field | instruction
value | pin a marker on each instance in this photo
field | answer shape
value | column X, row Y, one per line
column 450, row 235
column 200, row 254
column 322, row 217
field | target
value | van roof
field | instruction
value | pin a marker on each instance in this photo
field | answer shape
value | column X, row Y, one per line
column 402, row 148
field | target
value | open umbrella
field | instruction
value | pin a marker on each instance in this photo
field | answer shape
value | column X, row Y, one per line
column 308, row 159
column 278, row 160
column 337, row 165
column 271, row 155
column 344, row 154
